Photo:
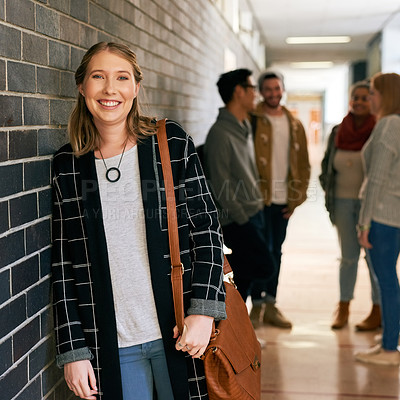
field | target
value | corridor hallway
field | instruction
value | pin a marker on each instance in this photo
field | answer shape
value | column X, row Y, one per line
column 311, row 361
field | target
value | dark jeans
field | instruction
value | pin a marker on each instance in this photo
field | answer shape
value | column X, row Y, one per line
column 250, row 258
column 275, row 234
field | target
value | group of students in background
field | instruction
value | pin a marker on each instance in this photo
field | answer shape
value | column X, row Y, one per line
column 115, row 331
column 260, row 152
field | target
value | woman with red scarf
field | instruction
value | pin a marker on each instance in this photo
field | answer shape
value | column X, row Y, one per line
column 341, row 179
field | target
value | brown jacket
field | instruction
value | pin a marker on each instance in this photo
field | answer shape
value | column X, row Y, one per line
column 299, row 166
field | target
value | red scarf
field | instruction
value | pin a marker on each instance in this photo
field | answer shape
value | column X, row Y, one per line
column 349, row 137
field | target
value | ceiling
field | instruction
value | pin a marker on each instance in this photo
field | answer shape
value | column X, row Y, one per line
column 360, row 19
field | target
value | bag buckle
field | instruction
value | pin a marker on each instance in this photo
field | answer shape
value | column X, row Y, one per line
column 183, row 269
column 255, row 364
column 214, row 334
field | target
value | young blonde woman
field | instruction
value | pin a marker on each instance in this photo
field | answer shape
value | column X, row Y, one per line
column 379, row 222
column 341, row 178
column 114, row 317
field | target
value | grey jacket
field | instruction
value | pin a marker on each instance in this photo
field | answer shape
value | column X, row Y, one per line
column 231, row 169
column 380, row 192
column 327, row 177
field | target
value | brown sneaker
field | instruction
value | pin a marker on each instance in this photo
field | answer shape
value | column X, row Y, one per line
column 341, row 315
column 255, row 316
column 274, row 317
column 372, row 322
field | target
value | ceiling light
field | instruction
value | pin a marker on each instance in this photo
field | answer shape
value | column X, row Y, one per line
column 312, row 64
column 317, row 39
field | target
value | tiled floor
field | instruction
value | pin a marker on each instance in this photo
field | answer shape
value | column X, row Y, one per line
column 311, row 361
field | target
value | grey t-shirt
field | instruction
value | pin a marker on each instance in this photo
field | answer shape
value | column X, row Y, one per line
column 125, row 231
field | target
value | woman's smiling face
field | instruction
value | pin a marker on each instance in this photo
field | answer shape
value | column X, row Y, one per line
column 359, row 102
column 109, row 89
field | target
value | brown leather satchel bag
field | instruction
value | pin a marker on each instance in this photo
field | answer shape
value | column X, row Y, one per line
column 232, row 358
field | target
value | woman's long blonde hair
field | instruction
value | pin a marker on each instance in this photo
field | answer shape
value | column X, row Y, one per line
column 83, row 134
column 388, row 85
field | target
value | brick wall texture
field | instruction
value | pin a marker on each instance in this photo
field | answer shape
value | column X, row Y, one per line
column 180, row 46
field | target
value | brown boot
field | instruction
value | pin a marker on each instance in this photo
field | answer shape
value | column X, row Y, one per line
column 341, row 316
column 274, row 316
column 255, row 315
column 373, row 321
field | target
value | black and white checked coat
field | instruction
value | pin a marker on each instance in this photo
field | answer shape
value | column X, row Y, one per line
column 82, row 293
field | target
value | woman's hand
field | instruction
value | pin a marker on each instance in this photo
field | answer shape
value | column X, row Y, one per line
column 80, row 378
column 286, row 213
column 363, row 239
column 196, row 335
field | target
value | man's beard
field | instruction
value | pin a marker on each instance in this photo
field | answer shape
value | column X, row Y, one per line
column 273, row 104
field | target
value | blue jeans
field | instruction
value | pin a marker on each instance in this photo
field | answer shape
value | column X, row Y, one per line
column 143, row 369
column 346, row 219
column 385, row 240
column 275, row 234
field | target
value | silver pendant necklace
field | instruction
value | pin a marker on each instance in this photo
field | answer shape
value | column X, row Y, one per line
column 113, row 174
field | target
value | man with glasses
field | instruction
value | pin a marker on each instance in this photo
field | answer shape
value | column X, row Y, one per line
column 232, row 173
column 284, row 169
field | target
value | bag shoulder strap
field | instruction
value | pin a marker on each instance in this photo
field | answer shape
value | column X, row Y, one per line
column 173, row 236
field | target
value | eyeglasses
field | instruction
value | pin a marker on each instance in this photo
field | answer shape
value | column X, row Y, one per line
column 248, row 85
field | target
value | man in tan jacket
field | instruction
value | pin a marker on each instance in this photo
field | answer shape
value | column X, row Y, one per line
column 284, row 169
